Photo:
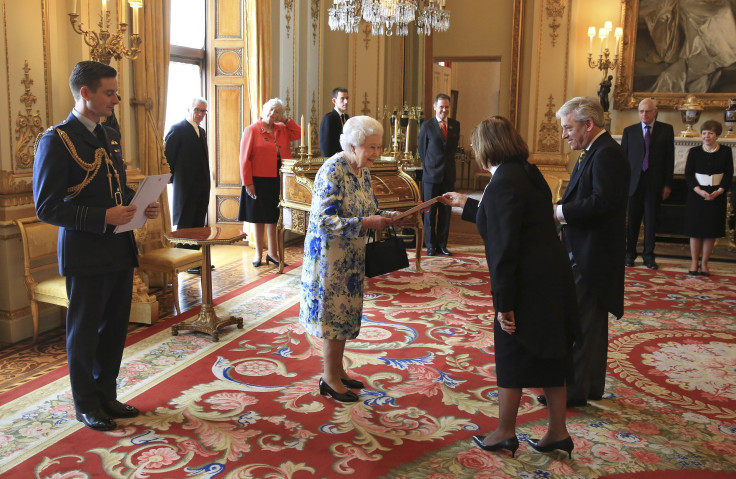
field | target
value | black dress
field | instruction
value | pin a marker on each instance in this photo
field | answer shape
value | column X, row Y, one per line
column 530, row 274
column 707, row 219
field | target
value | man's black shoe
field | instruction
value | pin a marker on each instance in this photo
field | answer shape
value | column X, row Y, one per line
column 444, row 251
column 651, row 264
column 97, row 420
column 629, row 263
column 431, row 252
column 570, row 402
column 117, row 409
column 197, row 270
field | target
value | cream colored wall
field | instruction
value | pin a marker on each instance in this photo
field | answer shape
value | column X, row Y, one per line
column 478, row 86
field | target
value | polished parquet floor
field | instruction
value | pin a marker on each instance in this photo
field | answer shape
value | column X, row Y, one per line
column 24, row 361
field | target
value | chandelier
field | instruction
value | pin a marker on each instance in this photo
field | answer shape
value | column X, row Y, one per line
column 387, row 16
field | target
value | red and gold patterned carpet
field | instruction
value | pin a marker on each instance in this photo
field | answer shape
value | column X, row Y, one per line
column 248, row 406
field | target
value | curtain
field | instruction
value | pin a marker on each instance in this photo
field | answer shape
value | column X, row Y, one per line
column 150, row 77
column 258, row 38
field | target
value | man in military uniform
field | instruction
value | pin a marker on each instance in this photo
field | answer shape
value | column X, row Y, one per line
column 79, row 184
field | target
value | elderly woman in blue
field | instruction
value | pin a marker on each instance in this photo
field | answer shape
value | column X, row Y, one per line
column 343, row 209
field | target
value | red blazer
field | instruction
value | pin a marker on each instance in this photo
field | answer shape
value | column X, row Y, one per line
column 258, row 152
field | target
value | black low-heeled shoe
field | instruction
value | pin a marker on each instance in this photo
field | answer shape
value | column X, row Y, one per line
column 257, row 263
column 352, row 383
column 325, row 389
column 511, row 444
column 563, row 445
column 271, row 260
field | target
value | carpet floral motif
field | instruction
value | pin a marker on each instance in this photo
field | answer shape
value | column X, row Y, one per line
column 249, row 405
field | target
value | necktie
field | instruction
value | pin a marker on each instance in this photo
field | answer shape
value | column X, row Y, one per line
column 100, row 134
column 443, row 128
column 647, row 141
column 581, row 158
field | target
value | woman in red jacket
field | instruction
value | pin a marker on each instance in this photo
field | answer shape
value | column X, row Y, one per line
column 263, row 145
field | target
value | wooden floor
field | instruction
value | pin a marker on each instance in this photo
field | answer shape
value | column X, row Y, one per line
column 24, row 361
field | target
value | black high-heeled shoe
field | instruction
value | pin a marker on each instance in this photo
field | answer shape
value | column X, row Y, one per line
column 271, row 260
column 352, row 383
column 563, row 445
column 511, row 444
column 325, row 389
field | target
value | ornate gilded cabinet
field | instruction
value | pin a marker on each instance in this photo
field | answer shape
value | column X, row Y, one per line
column 394, row 189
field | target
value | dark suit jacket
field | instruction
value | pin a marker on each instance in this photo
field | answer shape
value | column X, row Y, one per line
column 594, row 207
column 329, row 133
column 529, row 267
column 190, row 166
column 661, row 155
column 438, row 155
column 87, row 245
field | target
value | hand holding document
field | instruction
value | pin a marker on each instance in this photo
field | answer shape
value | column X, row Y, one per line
column 419, row 207
column 148, row 192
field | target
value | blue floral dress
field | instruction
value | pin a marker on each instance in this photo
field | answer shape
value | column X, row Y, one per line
column 333, row 269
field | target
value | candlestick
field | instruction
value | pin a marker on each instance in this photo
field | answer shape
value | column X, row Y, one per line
column 309, row 138
column 396, row 130
column 591, row 34
column 408, row 126
column 104, row 7
column 76, row 7
column 301, row 124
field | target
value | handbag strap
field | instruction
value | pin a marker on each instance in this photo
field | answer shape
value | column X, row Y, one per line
column 372, row 233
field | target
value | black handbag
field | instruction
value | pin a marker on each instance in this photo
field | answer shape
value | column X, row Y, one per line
column 386, row 255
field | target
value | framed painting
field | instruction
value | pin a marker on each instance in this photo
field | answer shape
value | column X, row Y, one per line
column 675, row 48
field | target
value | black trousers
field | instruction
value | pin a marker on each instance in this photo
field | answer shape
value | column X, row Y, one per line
column 591, row 353
column 96, row 328
column 644, row 203
column 194, row 213
column 437, row 220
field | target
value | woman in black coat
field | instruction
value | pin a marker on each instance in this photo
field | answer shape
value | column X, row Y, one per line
column 531, row 284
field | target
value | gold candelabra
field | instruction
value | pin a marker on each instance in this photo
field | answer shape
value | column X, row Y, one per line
column 104, row 45
column 604, row 62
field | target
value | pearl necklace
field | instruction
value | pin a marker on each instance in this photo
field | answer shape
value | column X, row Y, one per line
column 711, row 150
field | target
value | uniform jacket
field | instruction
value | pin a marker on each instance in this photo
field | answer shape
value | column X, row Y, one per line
column 86, row 245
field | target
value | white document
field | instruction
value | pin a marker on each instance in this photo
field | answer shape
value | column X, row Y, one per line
column 709, row 180
column 418, row 207
column 148, row 192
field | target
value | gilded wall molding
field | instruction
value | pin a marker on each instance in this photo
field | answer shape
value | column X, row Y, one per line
column 18, row 191
column 229, row 62
column 314, row 120
column 555, row 9
column 366, row 102
column 27, row 126
column 549, row 136
column 367, row 35
column 287, row 108
column 315, row 20
column 516, row 37
column 288, row 10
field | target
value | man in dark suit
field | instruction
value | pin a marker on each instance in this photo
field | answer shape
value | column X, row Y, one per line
column 650, row 147
column 331, row 127
column 186, row 152
column 79, row 184
column 437, row 143
column 593, row 214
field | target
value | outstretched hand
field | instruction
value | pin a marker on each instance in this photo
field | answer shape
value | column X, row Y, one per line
column 454, row 199
column 375, row 222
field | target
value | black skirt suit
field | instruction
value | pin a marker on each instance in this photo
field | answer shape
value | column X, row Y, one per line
column 530, row 275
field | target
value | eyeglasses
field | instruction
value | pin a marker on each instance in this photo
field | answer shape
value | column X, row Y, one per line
column 199, row 110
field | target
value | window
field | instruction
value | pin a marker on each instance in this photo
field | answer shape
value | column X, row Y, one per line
column 187, row 63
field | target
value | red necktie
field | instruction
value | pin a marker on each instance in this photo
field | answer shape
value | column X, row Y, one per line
column 443, row 128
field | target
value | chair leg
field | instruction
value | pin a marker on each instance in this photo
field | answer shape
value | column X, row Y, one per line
column 34, row 315
column 175, row 292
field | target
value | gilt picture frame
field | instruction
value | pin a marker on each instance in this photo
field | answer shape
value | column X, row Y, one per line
column 637, row 79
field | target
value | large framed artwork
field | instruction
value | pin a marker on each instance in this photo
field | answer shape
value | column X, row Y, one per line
column 675, row 48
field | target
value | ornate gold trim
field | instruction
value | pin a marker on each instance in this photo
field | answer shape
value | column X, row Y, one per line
column 549, row 137
column 288, row 7
column 314, row 121
column 366, row 102
column 46, row 55
column 27, row 126
column 555, row 9
column 238, row 72
column 287, row 109
column 315, row 20
column 367, row 35
column 516, row 44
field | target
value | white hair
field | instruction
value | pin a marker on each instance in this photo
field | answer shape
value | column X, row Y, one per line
column 272, row 103
column 582, row 108
column 357, row 129
column 198, row 99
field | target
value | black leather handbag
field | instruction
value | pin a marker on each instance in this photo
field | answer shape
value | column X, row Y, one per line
column 385, row 255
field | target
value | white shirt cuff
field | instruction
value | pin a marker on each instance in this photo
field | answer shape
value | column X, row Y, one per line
column 558, row 214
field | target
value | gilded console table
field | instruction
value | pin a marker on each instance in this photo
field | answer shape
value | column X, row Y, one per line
column 394, row 189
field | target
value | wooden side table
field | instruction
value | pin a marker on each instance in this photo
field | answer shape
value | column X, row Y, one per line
column 207, row 321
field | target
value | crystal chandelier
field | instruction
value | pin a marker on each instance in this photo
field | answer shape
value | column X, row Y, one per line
column 387, row 16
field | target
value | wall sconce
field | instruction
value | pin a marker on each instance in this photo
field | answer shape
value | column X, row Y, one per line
column 729, row 118
column 103, row 44
column 604, row 62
